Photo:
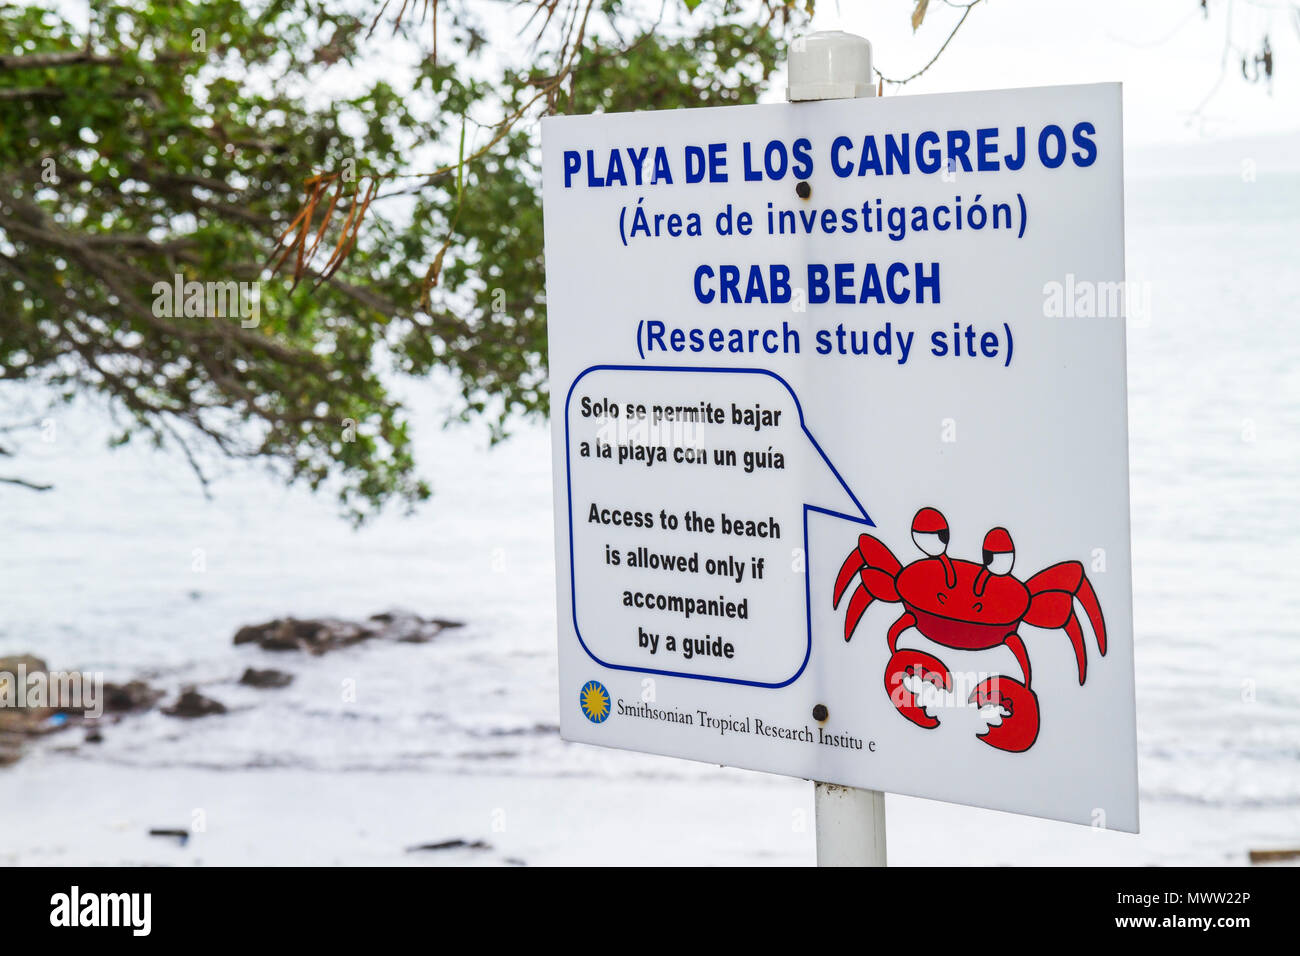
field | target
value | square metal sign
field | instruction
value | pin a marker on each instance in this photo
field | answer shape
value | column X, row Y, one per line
column 840, row 442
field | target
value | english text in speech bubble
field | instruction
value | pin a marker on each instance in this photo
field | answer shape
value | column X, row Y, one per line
column 688, row 490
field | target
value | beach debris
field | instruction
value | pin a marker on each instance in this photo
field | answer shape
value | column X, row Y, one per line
column 456, row 844
column 191, row 704
column 320, row 635
column 1274, row 856
column 268, row 678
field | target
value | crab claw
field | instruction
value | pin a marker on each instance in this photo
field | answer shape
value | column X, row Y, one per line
column 913, row 663
column 1019, row 727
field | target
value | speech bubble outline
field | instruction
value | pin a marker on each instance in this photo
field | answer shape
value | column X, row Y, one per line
column 865, row 519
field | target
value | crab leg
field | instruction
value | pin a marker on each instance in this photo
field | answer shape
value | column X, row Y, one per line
column 858, row 605
column 869, row 590
column 854, row 563
column 871, row 555
column 898, row 627
column 1053, row 609
column 1092, row 607
column 1017, row 647
column 876, row 567
column 1054, row 591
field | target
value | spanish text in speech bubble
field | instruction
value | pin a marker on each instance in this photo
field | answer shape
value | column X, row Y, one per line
column 688, row 489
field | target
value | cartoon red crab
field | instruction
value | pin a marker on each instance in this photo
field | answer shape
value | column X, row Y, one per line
column 969, row 606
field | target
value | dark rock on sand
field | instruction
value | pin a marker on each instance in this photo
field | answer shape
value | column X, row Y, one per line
column 315, row 636
column 132, row 697
column 193, row 704
column 17, row 721
column 28, row 662
column 410, row 628
column 266, row 678
column 319, row 635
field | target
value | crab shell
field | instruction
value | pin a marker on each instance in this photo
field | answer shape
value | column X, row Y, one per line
column 955, row 615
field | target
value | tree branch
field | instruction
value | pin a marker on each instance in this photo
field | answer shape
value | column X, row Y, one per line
column 966, row 9
column 23, row 483
column 31, row 93
column 45, row 61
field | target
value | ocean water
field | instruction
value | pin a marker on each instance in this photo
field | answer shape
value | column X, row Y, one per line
column 127, row 568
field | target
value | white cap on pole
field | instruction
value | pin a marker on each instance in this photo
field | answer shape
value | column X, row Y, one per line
column 830, row 65
column 833, row 65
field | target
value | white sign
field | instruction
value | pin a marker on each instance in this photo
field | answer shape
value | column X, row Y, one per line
column 841, row 464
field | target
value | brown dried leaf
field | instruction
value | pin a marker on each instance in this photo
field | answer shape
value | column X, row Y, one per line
column 329, row 214
column 306, row 235
column 352, row 229
column 431, row 276
column 301, row 225
column 301, row 242
column 919, row 13
column 347, row 225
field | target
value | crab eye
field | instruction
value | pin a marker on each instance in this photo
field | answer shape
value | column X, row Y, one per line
column 930, row 532
column 999, row 552
column 932, row 543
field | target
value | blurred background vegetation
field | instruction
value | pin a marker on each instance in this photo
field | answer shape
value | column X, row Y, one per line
column 374, row 171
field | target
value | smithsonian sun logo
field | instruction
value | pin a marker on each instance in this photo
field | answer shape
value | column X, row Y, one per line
column 594, row 701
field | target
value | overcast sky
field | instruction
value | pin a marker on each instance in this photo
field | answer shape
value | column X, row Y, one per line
column 1164, row 51
column 1166, row 54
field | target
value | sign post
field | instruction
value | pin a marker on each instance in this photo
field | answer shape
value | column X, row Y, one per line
column 840, row 443
column 850, row 822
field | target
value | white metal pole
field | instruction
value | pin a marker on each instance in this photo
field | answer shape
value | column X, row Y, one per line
column 850, row 823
